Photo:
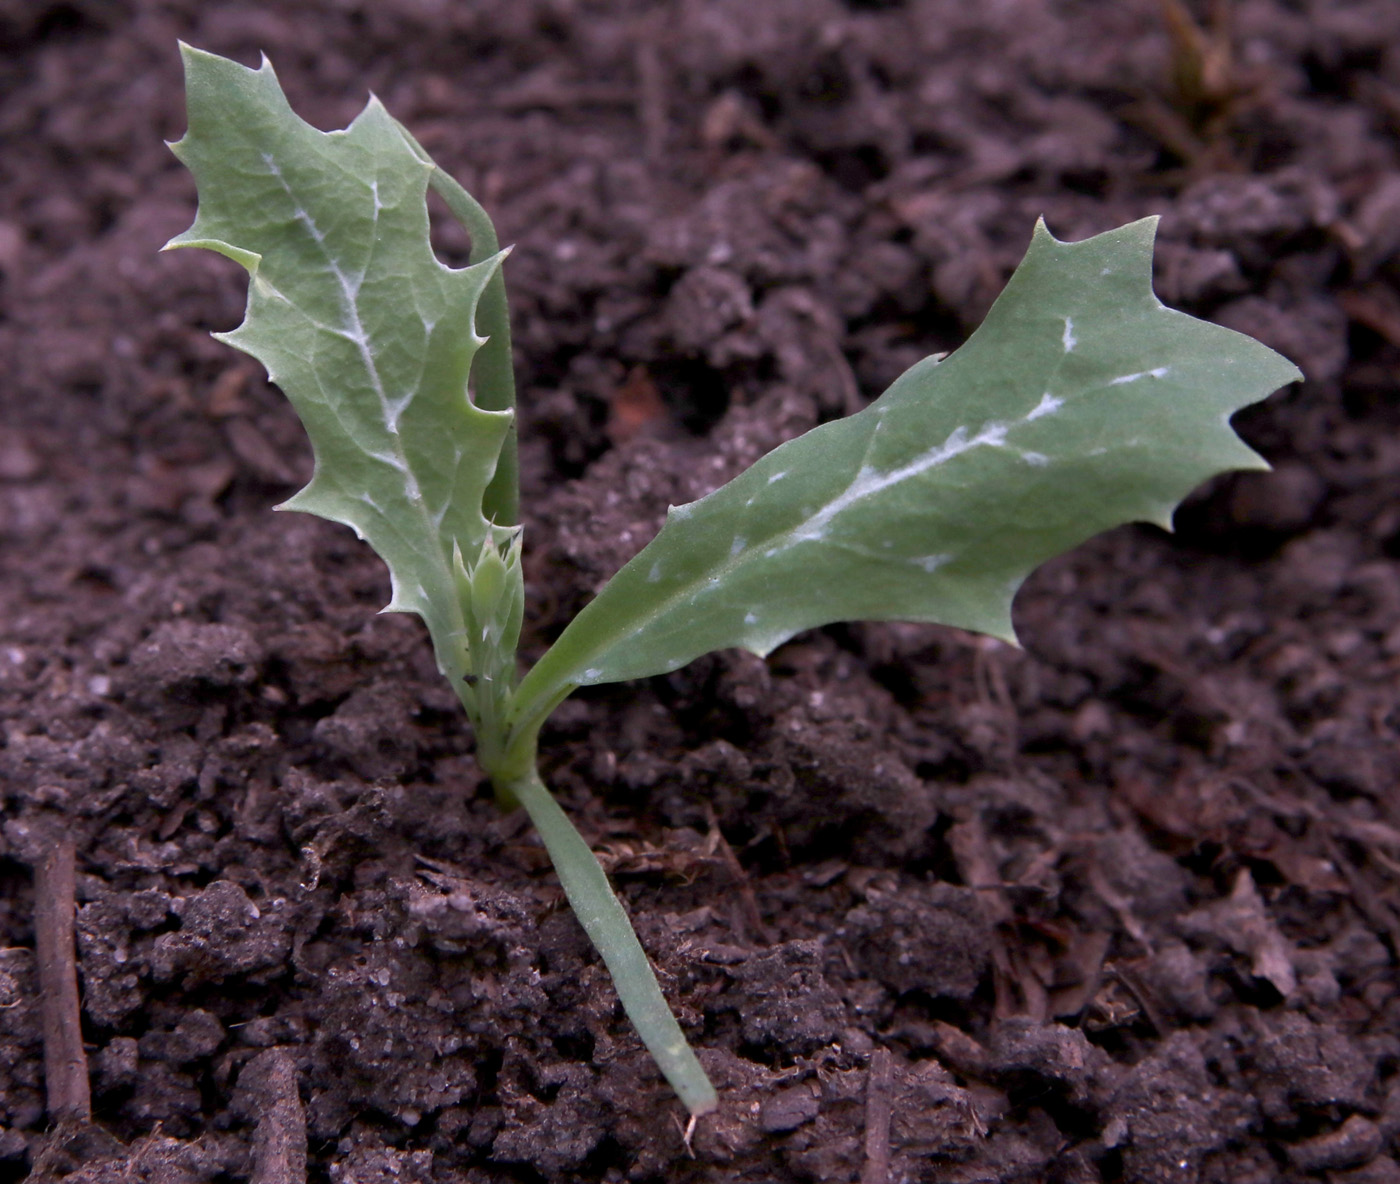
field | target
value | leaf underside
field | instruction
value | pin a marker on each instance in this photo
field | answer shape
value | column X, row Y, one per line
column 1080, row 403
column 368, row 334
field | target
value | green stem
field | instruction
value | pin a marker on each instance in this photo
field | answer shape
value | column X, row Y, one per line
column 511, row 764
column 607, row 926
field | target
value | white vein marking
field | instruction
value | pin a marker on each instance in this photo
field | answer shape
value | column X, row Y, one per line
column 869, row 482
column 1068, row 339
column 440, row 514
column 655, row 573
column 388, row 458
column 750, row 619
column 737, row 545
column 353, row 329
column 1159, row 372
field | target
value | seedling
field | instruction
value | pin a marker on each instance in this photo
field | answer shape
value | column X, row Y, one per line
column 1081, row 403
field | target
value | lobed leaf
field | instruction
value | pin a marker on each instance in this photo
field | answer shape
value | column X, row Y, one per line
column 1080, row 403
column 369, row 335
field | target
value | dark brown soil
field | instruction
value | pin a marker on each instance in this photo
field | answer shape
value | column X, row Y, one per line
column 1124, row 906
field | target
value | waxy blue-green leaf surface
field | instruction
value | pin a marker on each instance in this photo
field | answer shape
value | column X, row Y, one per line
column 1081, row 403
column 369, row 335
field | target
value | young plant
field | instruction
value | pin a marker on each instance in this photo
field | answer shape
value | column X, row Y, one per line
column 1081, row 403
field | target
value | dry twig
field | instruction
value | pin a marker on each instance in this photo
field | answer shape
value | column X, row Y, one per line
column 65, row 1062
column 279, row 1142
column 878, row 1104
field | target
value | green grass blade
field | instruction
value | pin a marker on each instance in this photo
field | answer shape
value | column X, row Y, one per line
column 607, row 926
column 1081, row 403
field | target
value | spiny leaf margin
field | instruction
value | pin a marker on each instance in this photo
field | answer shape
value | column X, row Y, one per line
column 1082, row 402
column 369, row 335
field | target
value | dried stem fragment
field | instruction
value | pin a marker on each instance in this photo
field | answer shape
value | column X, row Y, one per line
column 65, row 1062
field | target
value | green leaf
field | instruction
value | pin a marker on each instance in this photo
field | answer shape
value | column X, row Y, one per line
column 1081, row 403
column 369, row 335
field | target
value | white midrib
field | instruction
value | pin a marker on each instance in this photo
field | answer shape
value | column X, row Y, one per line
column 353, row 331
column 868, row 482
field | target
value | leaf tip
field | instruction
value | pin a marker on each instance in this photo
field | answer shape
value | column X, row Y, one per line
column 195, row 60
column 195, row 237
column 1005, row 631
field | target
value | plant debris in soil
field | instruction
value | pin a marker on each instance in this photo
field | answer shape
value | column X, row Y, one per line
column 1122, row 906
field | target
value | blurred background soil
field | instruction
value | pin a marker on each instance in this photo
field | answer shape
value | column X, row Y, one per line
column 1121, row 906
